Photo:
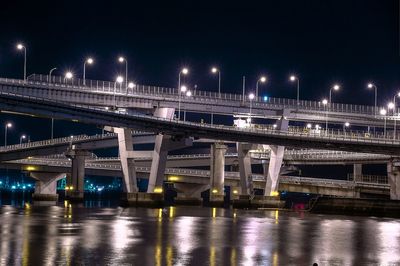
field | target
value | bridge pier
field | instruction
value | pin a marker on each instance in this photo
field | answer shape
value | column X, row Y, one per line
column 246, row 182
column 46, row 186
column 357, row 171
column 217, row 174
column 75, row 181
column 189, row 194
column 393, row 170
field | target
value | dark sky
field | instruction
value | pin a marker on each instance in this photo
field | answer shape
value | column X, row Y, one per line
column 327, row 41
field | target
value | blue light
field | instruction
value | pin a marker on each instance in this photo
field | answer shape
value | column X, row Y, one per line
column 265, row 98
column 23, row 187
column 13, row 187
column 1, row 182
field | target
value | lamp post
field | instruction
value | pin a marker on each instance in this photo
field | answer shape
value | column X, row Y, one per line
column 20, row 46
column 335, row 87
column 119, row 80
column 87, row 61
column 49, row 77
column 7, row 125
column 183, row 89
column 183, row 71
column 370, row 86
column 347, row 124
column 188, row 94
column 251, row 98
column 261, row 79
column 131, row 85
column 215, row 70
column 383, row 112
column 122, row 59
column 22, row 138
column 325, row 103
column 294, row 78
column 68, row 75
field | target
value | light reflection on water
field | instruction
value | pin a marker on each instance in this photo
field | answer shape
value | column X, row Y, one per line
column 73, row 235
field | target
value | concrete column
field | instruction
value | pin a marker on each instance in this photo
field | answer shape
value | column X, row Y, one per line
column 357, row 171
column 189, row 194
column 160, row 154
column 276, row 159
column 217, row 171
column 76, row 185
column 46, row 185
column 393, row 171
column 125, row 146
column 246, row 183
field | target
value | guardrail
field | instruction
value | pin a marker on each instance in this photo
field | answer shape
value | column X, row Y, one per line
column 373, row 179
column 335, row 135
column 106, row 86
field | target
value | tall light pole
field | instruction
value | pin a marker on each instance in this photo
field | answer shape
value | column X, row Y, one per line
column 370, row 86
column 251, row 98
column 325, row 103
column 183, row 71
column 215, row 70
column 335, row 87
column 68, row 75
column 383, row 112
column 294, row 78
column 182, row 89
column 261, row 79
column 347, row 124
column 20, row 46
column 22, row 138
column 122, row 59
column 131, row 85
column 87, row 61
column 394, row 114
column 7, row 125
column 119, row 80
column 49, row 77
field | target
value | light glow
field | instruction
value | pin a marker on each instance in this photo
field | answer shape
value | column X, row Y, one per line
column 263, row 79
column 214, row 70
column 90, row 60
column 121, row 59
column 119, row 79
column 336, row 87
column 20, row 46
column 131, row 85
column 324, row 101
column 185, row 70
column 292, row 78
column 158, row 190
column 383, row 111
column 69, row 75
column 188, row 93
column 251, row 96
column 183, row 88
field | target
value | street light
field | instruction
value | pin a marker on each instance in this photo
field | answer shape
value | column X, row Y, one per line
column 394, row 114
column 49, row 77
column 87, row 61
column 347, row 124
column 188, row 94
column 20, row 46
column 251, row 98
column 335, row 87
column 383, row 112
column 295, row 78
column 370, row 86
column 216, row 70
column 122, row 59
column 262, row 79
column 131, row 85
column 119, row 80
column 182, row 89
column 22, row 138
column 7, row 125
column 68, row 75
column 183, row 71
column 325, row 103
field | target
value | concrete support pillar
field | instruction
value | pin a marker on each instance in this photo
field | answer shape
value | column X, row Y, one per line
column 76, row 182
column 393, row 171
column 276, row 159
column 357, row 171
column 217, row 171
column 125, row 146
column 246, row 182
column 46, row 186
column 160, row 154
column 189, row 194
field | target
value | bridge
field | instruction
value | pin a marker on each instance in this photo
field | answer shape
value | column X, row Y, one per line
column 151, row 109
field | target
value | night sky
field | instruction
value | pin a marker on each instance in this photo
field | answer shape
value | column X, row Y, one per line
column 350, row 42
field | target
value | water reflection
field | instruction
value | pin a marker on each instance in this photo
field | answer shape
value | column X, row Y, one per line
column 71, row 235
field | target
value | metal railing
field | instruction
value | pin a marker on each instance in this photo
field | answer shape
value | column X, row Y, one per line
column 373, row 179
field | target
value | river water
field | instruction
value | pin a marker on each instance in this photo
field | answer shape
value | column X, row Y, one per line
column 77, row 235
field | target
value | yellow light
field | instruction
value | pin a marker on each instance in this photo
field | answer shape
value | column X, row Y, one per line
column 159, row 213
column 158, row 190
column 235, row 191
column 27, row 205
column 214, row 191
column 276, row 216
column 66, row 188
column 274, row 193
column 30, row 168
column 173, row 178
column 234, row 215
column 71, row 188
column 65, row 203
column 171, row 212
column 214, row 212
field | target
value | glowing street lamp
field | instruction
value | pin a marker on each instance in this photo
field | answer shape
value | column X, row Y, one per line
column 119, row 80
column 325, row 103
column 20, row 46
column 188, row 94
column 383, row 112
column 87, row 61
column 183, row 71
column 373, row 86
column 335, row 87
column 215, row 70
column 309, row 126
column 23, row 137
column 262, row 79
column 345, row 125
column 294, row 78
column 251, row 98
column 69, row 75
column 131, row 85
column 122, row 59
column 7, row 126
